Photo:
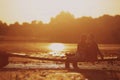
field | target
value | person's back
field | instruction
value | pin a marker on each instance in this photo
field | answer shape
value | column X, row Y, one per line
column 93, row 49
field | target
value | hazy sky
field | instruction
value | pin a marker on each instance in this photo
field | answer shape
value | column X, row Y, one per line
column 28, row 10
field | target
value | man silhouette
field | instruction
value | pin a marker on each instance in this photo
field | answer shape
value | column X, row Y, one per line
column 93, row 49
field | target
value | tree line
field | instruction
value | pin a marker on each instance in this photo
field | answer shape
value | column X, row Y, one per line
column 64, row 28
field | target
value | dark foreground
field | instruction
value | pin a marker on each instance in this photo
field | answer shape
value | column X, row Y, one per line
column 58, row 74
column 99, row 74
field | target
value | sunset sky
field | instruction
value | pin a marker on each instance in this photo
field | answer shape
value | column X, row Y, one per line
column 28, row 10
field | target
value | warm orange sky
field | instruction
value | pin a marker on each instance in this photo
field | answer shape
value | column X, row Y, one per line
column 28, row 10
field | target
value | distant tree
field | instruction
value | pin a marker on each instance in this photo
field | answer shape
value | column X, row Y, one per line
column 66, row 28
column 62, row 18
column 3, row 28
column 16, row 24
column 25, row 24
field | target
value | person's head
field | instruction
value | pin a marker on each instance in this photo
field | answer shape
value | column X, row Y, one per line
column 90, row 37
column 83, row 38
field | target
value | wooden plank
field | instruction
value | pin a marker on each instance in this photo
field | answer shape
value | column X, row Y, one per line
column 37, row 58
column 53, row 59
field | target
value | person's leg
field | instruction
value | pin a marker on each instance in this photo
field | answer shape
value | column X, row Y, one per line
column 67, row 64
column 75, row 65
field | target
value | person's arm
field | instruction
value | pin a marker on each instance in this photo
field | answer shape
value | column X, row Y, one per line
column 100, row 53
column 77, row 48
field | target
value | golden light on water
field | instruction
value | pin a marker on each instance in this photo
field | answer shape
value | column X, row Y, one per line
column 57, row 47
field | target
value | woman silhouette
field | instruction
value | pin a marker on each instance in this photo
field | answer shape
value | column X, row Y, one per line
column 80, row 55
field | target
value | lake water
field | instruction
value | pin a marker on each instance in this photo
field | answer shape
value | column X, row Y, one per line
column 37, row 70
column 44, row 47
column 54, row 49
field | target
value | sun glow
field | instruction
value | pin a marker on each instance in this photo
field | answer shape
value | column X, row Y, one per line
column 56, row 47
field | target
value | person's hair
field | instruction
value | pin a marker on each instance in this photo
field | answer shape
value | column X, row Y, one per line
column 83, row 37
column 91, row 36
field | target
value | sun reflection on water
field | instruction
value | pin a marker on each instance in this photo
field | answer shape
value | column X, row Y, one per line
column 56, row 49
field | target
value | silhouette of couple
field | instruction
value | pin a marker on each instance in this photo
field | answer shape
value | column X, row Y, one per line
column 87, row 50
